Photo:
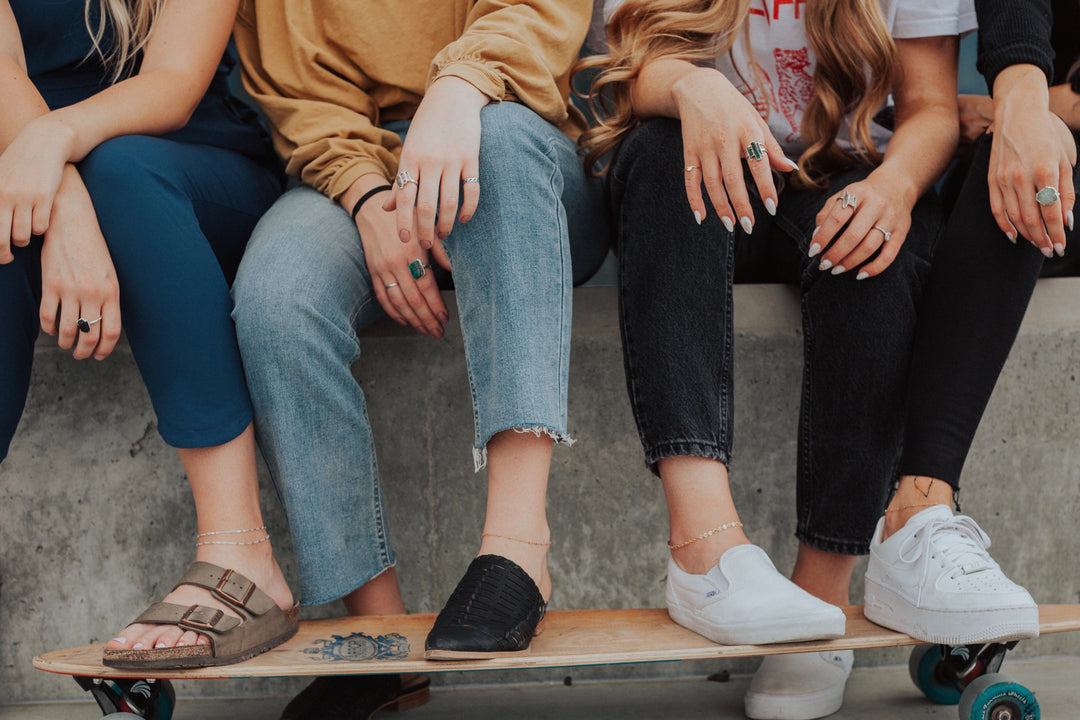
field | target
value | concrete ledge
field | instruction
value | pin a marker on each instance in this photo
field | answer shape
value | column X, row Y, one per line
column 96, row 517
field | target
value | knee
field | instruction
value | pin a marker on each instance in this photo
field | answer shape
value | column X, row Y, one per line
column 652, row 148
column 121, row 165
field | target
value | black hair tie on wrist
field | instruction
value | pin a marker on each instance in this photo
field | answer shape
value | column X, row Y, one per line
column 366, row 196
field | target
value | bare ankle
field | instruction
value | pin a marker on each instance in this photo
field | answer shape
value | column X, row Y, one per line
column 914, row 494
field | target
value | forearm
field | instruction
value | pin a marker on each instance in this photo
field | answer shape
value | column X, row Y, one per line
column 919, row 151
column 22, row 101
column 663, row 84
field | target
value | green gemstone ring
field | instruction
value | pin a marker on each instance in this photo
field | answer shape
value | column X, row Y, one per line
column 418, row 268
column 755, row 151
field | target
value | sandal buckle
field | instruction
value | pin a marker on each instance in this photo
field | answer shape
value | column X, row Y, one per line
column 222, row 590
column 187, row 621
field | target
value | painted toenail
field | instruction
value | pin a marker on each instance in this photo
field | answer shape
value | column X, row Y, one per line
column 180, row 644
column 136, row 646
column 121, row 640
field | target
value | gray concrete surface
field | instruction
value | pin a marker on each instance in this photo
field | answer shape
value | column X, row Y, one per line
column 96, row 517
column 879, row 693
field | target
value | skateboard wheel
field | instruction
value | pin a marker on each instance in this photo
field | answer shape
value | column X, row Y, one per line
column 119, row 716
column 927, row 670
column 998, row 697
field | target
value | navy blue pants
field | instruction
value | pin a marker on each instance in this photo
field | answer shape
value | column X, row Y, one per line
column 176, row 217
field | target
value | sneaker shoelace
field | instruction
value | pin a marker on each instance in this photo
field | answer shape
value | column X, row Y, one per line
column 958, row 541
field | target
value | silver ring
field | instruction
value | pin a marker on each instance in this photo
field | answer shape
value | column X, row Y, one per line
column 1047, row 196
column 404, row 178
column 390, row 285
column 847, row 200
column 756, row 151
column 84, row 325
column 886, row 233
column 470, row 180
column 691, row 168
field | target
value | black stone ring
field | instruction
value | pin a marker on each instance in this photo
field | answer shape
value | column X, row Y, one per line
column 84, row 324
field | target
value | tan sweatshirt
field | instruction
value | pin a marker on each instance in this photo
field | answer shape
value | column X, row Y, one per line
column 328, row 73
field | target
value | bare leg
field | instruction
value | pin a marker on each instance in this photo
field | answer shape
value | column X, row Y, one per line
column 225, row 485
column 516, row 525
column 913, row 495
column 379, row 596
column 823, row 574
column 698, row 500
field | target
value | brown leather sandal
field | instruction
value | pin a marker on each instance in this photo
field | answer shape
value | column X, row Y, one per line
column 262, row 624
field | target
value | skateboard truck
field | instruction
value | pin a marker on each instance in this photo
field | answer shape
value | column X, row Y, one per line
column 960, row 665
column 139, row 698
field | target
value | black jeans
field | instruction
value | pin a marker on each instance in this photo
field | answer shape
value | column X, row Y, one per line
column 971, row 310
column 675, row 290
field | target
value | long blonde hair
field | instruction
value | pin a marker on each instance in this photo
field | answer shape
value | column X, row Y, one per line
column 130, row 22
column 856, row 67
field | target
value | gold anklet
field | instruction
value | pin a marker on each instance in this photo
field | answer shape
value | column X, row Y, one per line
column 263, row 539
column 909, row 507
column 702, row 536
column 514, row 539
column 230, row 532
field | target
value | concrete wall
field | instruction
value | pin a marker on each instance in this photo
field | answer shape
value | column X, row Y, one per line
column 96, row 517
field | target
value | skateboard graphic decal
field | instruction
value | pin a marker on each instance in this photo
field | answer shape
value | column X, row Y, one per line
column 359, row 647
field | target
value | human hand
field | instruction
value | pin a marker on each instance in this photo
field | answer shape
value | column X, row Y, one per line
column 1032, row 149
column 441, row 154
column 31, row 168
column 878, row 219
column 407, row 300
column 718, row 126
column 976, row 114
column 78, row 280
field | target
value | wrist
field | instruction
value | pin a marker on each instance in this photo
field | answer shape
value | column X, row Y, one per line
column 460, row 90
column 360, row 187
column 1021, row 83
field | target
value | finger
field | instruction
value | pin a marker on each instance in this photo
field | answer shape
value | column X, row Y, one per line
column 429, row 288
column 757, row 160
column 714, row 186
column 68, row 324
column 427, row 203
column 418, row 301
column 440, row 256
column 778, row 159
column 731, row 166
column 40, row 219
column 448, row 204
column 692, row 181
column 85, row 342
column 1028, row 220
column 382, row 288
column 404, row 199
column 871, row 243
column 111, row 324
column 21, row 224
column 831, row 218
column 997, row 207
column 1068, row 196
column 1054, row 225
column 397, row 299
column 470, row 191
column 885, row 257
column 853, row 236
column 5, row 236
column 49, row 311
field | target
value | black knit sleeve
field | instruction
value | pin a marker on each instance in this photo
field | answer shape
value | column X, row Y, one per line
column 1013, row 32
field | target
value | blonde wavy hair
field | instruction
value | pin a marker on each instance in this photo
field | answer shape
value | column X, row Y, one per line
column 856, row 68
column 130, row 22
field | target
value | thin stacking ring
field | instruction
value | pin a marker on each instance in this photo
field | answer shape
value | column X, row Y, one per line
column 390, row 285
column 886, row 233
column 470, row 180
column 691, row 168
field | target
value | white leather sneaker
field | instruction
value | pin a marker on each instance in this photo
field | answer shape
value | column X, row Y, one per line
column 805, row 686
column 743, row 600
column 934, row 581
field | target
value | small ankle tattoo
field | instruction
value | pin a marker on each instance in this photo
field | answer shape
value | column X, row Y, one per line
column 929, row 485
column 517, row 540
column 708, row 533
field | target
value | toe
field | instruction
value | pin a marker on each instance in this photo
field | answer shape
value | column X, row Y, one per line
column 168, row 636
column 188, row 638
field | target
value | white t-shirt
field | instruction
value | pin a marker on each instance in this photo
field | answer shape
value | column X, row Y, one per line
column 785, row 61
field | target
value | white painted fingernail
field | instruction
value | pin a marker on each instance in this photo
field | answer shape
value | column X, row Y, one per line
column 136, row 646
column 747, row 226
column 1012, row 238
column 838, row 269
column 862, row 275
column 697, row 217
column 1059, row 249
column 814, row 250
column 1069, row 218
column 729, row 224
column 159, row 646
column 1047, row 252
column 794, row 165
column 770, row 205
column 825, row 265
column 815, row 232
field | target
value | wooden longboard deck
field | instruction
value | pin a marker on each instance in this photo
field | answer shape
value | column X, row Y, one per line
column 570, row 638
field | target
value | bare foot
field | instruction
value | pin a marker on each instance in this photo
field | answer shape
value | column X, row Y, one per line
column 255, row 562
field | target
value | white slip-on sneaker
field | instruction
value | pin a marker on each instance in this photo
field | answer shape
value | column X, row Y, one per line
column 805, row 686
column 934, row 581
column 743, row 600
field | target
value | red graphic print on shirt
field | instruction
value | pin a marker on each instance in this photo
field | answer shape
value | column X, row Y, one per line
column 796, row 85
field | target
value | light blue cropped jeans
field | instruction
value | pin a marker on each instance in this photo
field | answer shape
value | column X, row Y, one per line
column 303, row 292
